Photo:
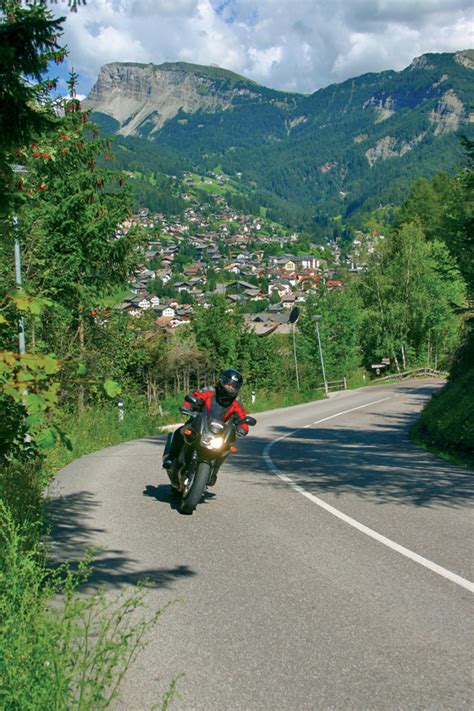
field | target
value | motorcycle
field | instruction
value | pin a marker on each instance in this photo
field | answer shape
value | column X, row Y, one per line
column 208, row 441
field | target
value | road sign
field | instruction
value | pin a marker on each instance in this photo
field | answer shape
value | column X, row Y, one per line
column 378, row 367
column 294, row 315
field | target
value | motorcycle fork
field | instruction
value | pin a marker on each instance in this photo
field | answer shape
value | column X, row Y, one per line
column 187, row 465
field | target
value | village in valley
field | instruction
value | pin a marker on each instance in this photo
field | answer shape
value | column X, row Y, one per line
column 214, row 249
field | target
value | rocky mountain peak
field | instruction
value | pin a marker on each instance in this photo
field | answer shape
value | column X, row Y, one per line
column 139, row 95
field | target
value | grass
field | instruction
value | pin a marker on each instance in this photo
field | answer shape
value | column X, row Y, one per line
column 72, row 654
column 99, row 427
column 266, row 400
column 115, row 298
column 446, row 425
column 59, row 647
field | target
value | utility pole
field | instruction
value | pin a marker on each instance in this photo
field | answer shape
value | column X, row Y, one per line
column 293, row 318
column 19, row 169
column 296, row 359
column 316, row 319
column 19, row 283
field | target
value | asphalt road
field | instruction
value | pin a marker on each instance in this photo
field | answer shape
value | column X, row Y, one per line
column 330, row 568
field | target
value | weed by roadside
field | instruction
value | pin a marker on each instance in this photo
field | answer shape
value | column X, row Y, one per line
column 100, row 427
column 66, row 652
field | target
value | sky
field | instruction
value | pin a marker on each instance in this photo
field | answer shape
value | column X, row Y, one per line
column 292, row 45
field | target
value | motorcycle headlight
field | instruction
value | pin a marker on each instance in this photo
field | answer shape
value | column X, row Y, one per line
column 215, row 443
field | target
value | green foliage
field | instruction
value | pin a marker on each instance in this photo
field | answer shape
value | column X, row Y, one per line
column 305, row 158
column 264, row 360
column 460, row 233
column 98, row 427
column 70, row 213
column 29, row 43
column 218, row 332
column 21, row 491
column 112, row 388
column 446, row 424
column 340, row 332
column 70, row 655
column 410, row 294
column 444, row 208
column 159, row 193
column 427, row 204
column 28, row 389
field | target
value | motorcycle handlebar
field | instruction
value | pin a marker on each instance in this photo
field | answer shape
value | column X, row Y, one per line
column 186, row 410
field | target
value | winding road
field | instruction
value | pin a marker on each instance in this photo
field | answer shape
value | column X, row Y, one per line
column 329, row 568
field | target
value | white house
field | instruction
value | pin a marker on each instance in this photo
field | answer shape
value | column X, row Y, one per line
column 288, row 301
column 309, row 262
column 168, row 312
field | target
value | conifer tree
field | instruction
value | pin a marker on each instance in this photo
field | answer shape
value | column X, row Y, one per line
column 72, row 248
column 29, row 42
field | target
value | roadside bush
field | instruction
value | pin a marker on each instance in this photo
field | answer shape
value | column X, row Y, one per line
column 446, row 425
column 21, row 490
column 99, row 426
column 271, row 400
column 60, row 649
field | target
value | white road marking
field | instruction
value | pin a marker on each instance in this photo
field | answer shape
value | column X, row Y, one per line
column 434, row 567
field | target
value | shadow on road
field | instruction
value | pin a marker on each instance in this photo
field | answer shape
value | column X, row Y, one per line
column 71, row 517
column 164, row 494
column 379, row 462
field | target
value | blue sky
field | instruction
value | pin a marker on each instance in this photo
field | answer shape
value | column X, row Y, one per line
column 296, row 45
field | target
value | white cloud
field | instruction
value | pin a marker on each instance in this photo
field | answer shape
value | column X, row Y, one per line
column 295, row 45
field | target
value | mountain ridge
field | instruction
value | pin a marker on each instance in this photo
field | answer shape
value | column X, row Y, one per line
column 134, row 93
column 346, row 147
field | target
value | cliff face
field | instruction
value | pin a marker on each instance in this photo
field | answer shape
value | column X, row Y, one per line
column 143, row 97
column 356, row 144
column 139, row 95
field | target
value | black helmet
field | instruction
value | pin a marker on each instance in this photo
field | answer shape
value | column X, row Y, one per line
column 228, row 386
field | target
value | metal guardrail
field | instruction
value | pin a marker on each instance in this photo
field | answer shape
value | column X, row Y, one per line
column 334, row 385
column 337, row 384
column 417, row 373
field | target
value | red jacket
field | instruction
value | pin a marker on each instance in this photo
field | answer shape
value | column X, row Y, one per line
column 235, row 409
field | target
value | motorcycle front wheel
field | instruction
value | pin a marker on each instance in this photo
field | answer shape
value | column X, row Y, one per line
column 193, row 492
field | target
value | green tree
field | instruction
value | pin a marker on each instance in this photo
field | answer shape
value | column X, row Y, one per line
column 28, row 44
column 70, row 212
column 264, row 363
column 460, row 220
column 410, row 293
column 218, row 332
column 427, row 204
column 340, row 330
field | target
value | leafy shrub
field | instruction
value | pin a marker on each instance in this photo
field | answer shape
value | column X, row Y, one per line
column 100, row 426
column 67, row 652
column 447, row 422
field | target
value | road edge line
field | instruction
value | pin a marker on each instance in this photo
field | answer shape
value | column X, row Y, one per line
column 416, row 557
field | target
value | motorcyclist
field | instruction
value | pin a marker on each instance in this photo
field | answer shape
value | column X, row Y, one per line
column 221, row 401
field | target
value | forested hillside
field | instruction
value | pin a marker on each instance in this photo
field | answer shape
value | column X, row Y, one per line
column 340, row 152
